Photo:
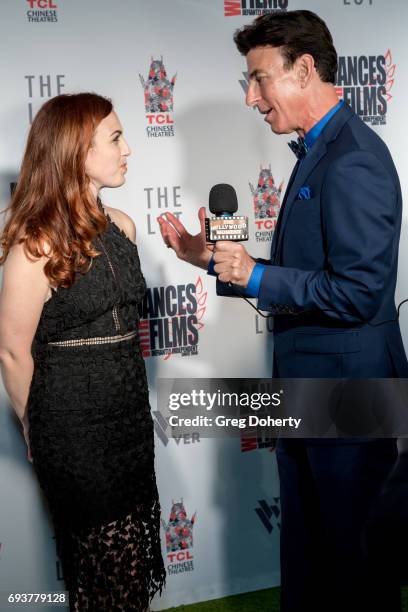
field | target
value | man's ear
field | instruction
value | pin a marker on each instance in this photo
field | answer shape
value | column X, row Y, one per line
column 305, row 68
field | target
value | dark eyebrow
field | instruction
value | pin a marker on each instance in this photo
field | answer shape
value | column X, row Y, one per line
column 255, row 73
column 119, row 132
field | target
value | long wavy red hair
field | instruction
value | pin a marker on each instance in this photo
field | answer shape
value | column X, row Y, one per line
column 52, row 210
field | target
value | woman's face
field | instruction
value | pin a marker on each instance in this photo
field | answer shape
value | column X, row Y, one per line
column 106, row 160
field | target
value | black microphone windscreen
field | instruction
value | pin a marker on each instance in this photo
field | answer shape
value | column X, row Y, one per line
column 223, row 199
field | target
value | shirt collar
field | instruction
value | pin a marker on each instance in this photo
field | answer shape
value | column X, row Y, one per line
column 312, row 135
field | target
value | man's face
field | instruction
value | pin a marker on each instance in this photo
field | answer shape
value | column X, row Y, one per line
column 274, row 90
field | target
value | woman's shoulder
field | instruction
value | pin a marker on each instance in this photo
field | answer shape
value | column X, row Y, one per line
column 123, row 221
column 25, row 270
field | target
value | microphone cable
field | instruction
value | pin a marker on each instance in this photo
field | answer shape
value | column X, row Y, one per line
column 300, row 312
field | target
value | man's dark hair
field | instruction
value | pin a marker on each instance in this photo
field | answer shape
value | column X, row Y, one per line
column 296, row 32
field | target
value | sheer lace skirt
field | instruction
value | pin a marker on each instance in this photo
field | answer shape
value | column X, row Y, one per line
column 114, row 567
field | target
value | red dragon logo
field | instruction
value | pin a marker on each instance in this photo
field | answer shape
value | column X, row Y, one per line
column 266, row 195
column 158, row 89
column 179, row 529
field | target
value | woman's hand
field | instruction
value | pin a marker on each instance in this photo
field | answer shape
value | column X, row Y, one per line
column 26, row 429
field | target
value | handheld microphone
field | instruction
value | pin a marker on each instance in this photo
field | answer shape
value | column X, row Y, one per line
column 225, row 225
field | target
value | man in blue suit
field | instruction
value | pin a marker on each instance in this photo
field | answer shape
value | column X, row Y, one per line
column 331, row 281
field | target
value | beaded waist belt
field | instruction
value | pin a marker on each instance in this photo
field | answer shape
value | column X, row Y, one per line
column 95, row 340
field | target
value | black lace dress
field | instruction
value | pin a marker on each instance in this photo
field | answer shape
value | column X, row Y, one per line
column 91, row 433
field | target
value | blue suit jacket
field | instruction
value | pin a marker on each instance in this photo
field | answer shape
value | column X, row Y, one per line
column 335, row 256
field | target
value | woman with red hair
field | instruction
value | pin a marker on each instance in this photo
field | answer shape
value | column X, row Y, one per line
column 70, row 355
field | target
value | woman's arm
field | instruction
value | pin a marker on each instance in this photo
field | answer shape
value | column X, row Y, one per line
column 24, row 290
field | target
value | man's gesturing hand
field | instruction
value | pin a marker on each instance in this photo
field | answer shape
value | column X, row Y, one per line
column 232, row 263
column 187, row 247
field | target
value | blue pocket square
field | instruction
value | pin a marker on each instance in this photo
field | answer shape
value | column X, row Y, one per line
column 304, row 193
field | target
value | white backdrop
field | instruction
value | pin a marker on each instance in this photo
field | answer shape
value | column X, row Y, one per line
column 208, row 137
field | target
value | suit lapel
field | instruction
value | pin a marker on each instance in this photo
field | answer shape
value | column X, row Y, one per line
column 278, row 223
column 308, row 164
column 319, row 149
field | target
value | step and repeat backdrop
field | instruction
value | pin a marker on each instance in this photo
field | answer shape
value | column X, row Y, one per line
column 178, row 85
